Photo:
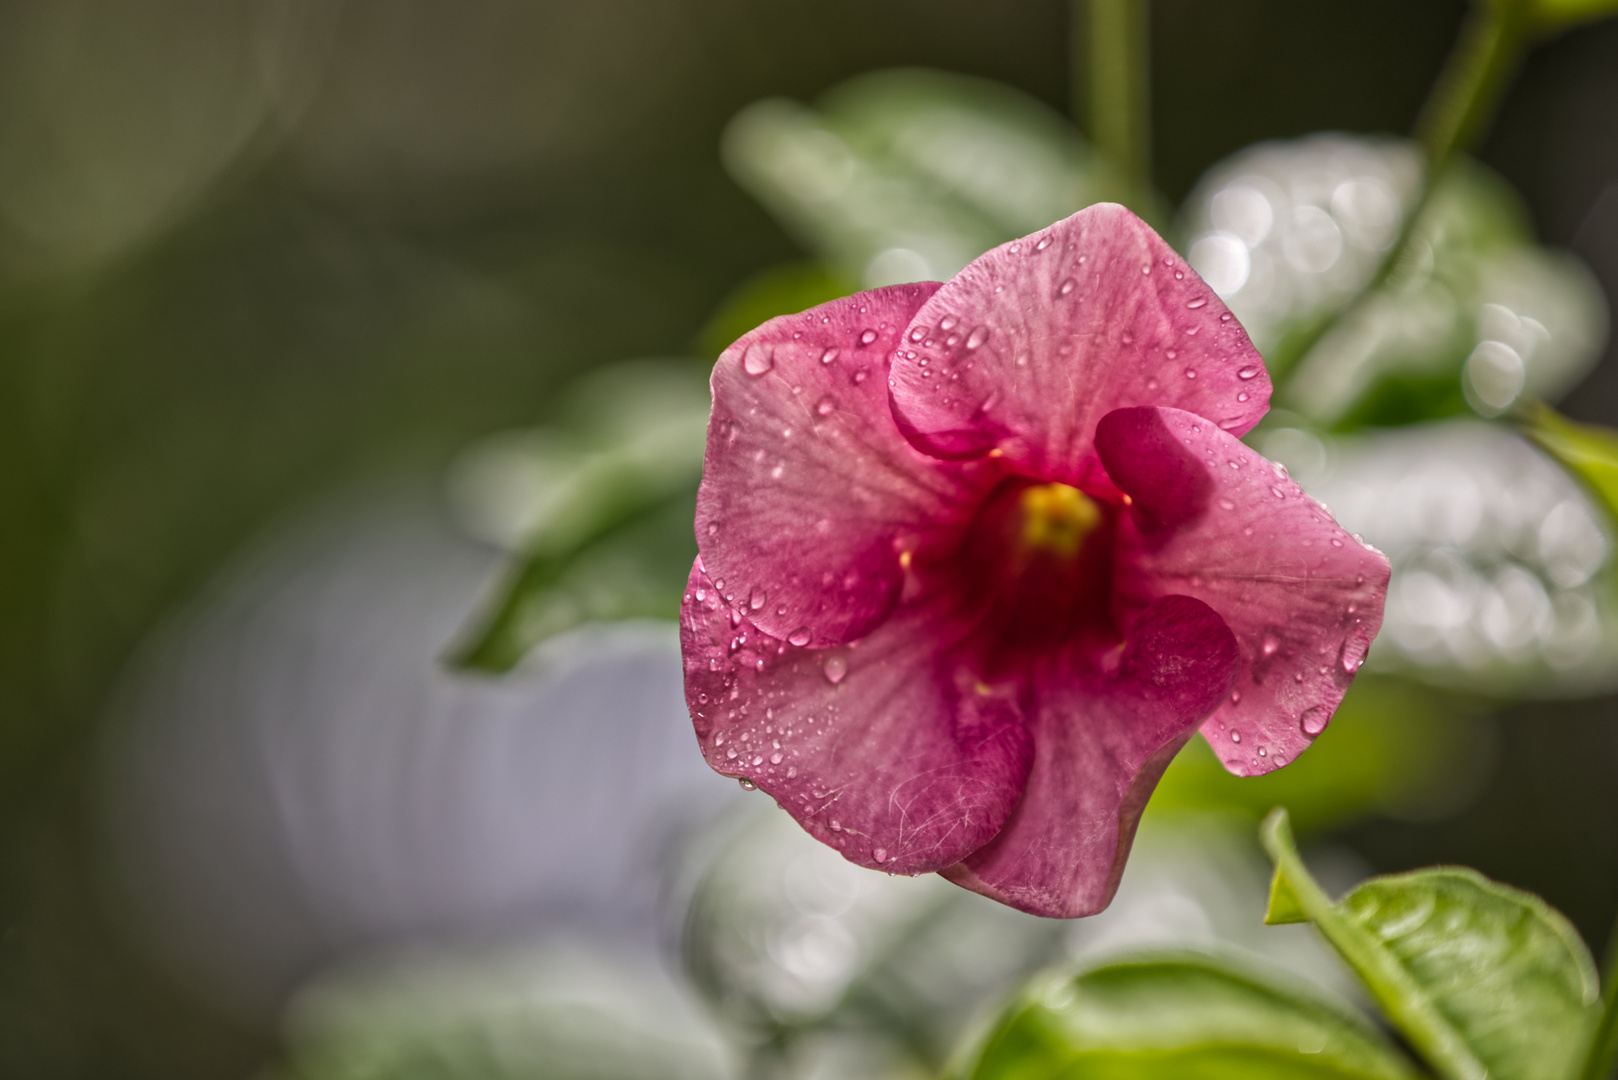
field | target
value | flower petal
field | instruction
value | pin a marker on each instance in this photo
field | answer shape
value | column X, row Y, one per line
column 1215, row 520
column 1101, row 743
column 808, row 489
column 1025, row 349
column 875, row 748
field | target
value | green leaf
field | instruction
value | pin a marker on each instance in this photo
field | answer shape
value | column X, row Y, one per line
column 600, row 514
column 1180, row 1016
column 1285, row 907
column 909, row 175
column 1589, row 452
column 1482, row 979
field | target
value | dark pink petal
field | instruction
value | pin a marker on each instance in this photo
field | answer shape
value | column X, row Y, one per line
column 1214, row 520
column 809, row 491
column 1030, row 345
column 877, row 748
column 1101, row 743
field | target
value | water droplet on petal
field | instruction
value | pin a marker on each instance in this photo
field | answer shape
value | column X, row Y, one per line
column 826, row 406
column 1235, row 697
column 867, row 337
column 713, row 528
column 1128, row 338
column 759, row 358
column 1247, row 373
column 881, row 854
column 861, row 375
column 1044, row 242
column 828, row 356
column 800, row 636
column 747, row 785
column 948, row 322
column 1235, row 736
column 1226, row 504
column 1242, row 396
column 977, row 337
column 1226, row 317
column 1067, row 287
column 776, row 758
column 1314, row 719
column 835, row 668
column 1263, row 752
column 1271, row 644
column 1197, row 302
column 1190, row 373
column 756, row 599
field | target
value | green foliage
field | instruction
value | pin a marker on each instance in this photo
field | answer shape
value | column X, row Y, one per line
column 908, row 175
column 1482, row 979
column 1180, row 1016
column 601, row 514
column 777, row 290
column 1392, row 746
column 1589, row 452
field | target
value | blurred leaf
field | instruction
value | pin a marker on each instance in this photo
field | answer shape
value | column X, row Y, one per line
column 1473, row 316
column 1555, row 14
column 909, row 175
column 1391, row 747
column 776, row 290
column 1183, row 1016
column 1484, row 980
column 1588, row 451
column 601, row 515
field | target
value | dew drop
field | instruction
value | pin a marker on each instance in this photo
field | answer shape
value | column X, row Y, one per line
column 1242, row 396
column 1336, row 542
column 867, row 337
column 827, row 406
column 1225, row 317
column 713, row 528
column 977, row 337
column 758, row 358
column 1200, row 301
column 1226, row 504
column 1067, row 287
column 1190, row 373
column 861, row 375
column 918, row 333
column 835, row 668
column 747, row 785
column 1271, row 644
column 1235, row 697
column 1235, row 736
column 800, row 636
column 757, row 598
column 1277, row 492
column 1263, row 752
column 828, row 356
column 1355, row 646
column 881, row 854
column 1128, row 338
column 1247, row 373
column 1313, row 721
column 948, row 322
column 777, row 757
column 702, row 594
column 1044, row 242
column 1179, row 275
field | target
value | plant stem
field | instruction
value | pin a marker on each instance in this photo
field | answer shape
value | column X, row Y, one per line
column 1404, row 1003
column 1111, row 59
column 1455, row 115
column 1603, row 1052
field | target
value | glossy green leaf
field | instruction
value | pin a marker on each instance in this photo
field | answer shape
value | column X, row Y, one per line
column 1180, row 1016
column 1482, row 979
column 1588, row 451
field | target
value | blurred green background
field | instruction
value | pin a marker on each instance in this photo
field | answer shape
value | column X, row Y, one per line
column 253, row 255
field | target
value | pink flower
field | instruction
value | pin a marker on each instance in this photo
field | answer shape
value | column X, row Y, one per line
column 978, row 559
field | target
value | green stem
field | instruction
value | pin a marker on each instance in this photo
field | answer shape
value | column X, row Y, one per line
column 1456, row 114
column 1603, row 1052
column 1406, row 1005
column 1111, row 88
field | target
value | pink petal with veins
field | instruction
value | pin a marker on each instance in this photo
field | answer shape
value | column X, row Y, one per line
column 1101, row 743
column 882, row 749
column 809, row 492
column 1032, row 343
column 1214, row 520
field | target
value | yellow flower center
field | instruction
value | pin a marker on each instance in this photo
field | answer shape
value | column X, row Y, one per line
column 1057, row 518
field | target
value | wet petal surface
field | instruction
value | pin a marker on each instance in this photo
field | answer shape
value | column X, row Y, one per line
column 882, row 749
column 1215, row 520
column 1101, row 743
column 809, row 492
column 1030, row 345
